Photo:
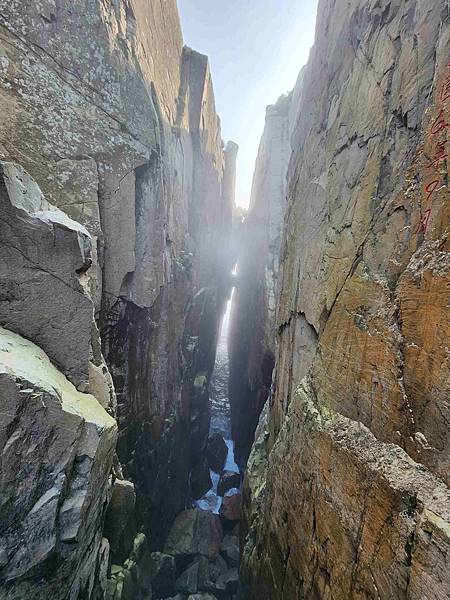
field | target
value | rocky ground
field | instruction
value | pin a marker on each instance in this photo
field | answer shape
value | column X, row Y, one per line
column 200, row 558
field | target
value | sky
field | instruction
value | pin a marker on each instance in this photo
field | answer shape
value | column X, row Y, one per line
column 256, row 49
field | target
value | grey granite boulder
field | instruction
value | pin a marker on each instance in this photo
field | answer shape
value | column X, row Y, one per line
column 57, row 447
column 120, row 509
column 44, row 256
column 194, row 532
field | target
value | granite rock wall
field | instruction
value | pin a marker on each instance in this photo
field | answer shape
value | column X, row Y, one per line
column 252, row 324
column 347, row 493
column 116, row 196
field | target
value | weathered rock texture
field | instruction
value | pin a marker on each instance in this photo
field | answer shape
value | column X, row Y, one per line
column 252, row 330
column 106, row 116
column 347, row 491
column 57, row 446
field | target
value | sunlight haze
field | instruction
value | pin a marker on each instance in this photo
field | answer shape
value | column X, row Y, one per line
column 256, row 50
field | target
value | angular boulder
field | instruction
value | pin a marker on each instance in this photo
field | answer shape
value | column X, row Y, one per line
column 228, row 481
column 230, row 580
column 230, row 550
column 200, row 480
column 43, row 255
column 230, row 511
column 187, row 582
column 216, row 452
column 209, row 573
column 120, row 509
column 57, row 447
column 194, row 532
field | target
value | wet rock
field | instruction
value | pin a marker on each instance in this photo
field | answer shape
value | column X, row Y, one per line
column 200, row 480
column 230, row 511
column 202, row 597
column 162, row 571
column 228, row 480
column 120, row 509
column 187, row 582
column 229, row 549
column 216, row 452
column 194, row 532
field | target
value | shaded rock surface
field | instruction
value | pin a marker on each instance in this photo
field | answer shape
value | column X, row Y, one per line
column 252, row 324
column 133, row 579
column 229, row 549
column 162, row 573
column 228, row 480
column 230, row 510
column 346, row 493
column 118, row 514
column 116, row 199
column 194, row 532
column 206, row 562
column 200, row 480
column 216, row 452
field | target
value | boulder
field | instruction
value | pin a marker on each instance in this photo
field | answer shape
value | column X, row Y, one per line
column 228, row 481
column 194, row 532
column 42, row 256
column 142, row 559
column 200, row 480
column 162, row 573
column 209, row 573
column 229, row 549
column 187, row 582
column 120, row 508
column 230, row 580
column 57, row 447
column 202, row 597
column 230, row 511
column 216, row 452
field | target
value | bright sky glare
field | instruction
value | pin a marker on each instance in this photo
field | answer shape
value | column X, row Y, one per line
column 256, row 49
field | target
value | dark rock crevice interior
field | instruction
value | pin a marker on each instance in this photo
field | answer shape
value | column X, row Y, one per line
column 199, row 402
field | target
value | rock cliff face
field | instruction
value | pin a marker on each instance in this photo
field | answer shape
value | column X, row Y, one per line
column 116, row 197
column 347, row 493
column 252, row 331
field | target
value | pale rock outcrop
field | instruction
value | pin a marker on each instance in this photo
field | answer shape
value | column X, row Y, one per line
column 347, row 494
column 58, row 441
column 57, row 447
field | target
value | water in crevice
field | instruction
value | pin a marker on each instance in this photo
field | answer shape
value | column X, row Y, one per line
column 220, row 414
